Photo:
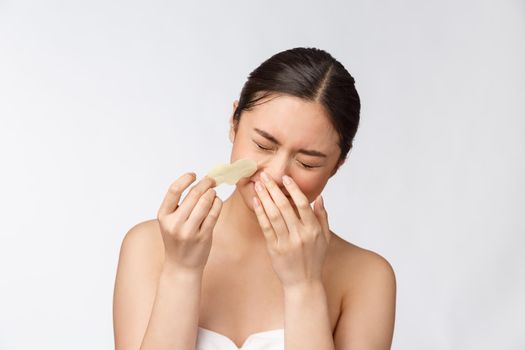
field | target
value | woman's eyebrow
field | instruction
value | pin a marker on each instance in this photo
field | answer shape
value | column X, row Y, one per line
column 309, row 152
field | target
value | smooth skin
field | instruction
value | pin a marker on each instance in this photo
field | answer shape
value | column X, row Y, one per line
column 174, row 276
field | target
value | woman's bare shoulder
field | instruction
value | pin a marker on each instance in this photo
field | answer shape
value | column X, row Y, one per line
column 148, row 231
column 146, row 240
column 356, row 264
column 368, row 296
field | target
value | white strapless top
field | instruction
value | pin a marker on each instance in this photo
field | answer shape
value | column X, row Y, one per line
column 267, row 340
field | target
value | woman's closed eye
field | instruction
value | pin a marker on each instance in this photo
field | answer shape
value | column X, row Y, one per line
column 304, row 165
column 261, row 147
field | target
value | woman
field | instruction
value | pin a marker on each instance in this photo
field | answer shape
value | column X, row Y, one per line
column 261, row 270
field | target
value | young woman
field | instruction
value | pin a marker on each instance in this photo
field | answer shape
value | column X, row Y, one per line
column 262, row 270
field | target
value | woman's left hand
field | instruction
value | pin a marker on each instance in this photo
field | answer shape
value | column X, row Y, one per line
column 297, row 245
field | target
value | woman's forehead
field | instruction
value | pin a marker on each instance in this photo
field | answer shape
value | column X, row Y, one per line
column 290, row 112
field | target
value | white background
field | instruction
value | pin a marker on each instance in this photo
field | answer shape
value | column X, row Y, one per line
column 103, row 104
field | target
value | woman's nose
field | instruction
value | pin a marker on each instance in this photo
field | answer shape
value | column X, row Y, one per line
column 275, row 168
column 273, row 176
column 277, row 177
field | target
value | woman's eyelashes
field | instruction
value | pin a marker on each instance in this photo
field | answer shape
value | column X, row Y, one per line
column 269, row 149
column 263, row 148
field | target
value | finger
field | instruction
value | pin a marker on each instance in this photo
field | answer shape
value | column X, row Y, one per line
column 212, row 179
column 301, row 201
column 200, row 210
column 322, row 216
column 272, row 212
column 264, row 222
column 211, row 219
column 283, row 203
column 171, row 200
column 185, row 208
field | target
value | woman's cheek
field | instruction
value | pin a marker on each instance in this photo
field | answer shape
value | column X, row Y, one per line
column 303, row 186
column 241, row 152
column 309, row 187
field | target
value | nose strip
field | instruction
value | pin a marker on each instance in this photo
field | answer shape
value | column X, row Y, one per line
column 231, row 173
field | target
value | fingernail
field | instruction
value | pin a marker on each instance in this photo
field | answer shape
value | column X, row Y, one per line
column 287, row 180
column 265, row 177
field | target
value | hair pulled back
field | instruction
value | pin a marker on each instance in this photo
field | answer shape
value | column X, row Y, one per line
column 313, row 75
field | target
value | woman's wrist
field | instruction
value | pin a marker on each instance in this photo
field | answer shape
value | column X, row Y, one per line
column 307, row 287
column 172, row 270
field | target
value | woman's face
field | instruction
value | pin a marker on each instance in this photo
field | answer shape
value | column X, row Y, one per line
column 298, row 141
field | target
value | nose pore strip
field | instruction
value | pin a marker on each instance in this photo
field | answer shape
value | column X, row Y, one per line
column 231, row 173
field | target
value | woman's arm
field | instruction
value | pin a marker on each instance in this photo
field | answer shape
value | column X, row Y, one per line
column 369, row 307
column 306, row 318
column 175, row 317
column 154, row 305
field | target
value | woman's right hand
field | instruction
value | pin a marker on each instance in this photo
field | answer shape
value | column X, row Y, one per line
column 187, row 228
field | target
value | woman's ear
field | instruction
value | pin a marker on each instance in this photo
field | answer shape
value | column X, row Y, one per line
column 232, row 123
column 232, row 131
